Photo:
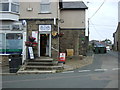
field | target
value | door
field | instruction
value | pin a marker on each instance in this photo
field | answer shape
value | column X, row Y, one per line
column 45, row 45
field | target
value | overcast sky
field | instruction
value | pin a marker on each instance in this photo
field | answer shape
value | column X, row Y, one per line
column 104, row 23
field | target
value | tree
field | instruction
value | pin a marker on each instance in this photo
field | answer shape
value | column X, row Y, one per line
column 107, row 41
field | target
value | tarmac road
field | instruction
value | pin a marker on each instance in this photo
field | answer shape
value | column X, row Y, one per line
column 103, row 73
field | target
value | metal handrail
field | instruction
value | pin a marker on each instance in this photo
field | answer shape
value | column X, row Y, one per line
column 55, row 49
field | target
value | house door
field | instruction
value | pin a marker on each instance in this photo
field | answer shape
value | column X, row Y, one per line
column 45, row 45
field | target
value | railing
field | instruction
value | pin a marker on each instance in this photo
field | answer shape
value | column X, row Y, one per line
column 11, row 27
column 54, row 49
column 6, row 27
column 4, row 0
column 14, row 1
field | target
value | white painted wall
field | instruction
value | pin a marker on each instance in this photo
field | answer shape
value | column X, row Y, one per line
column 9, row 16
column 72, row 18
column 35, row 12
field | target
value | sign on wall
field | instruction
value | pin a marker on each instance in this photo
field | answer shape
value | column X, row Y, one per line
column 44, row 28
column 35, row 34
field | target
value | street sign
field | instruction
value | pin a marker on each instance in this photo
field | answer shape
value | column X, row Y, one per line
column 31, row 52
column 35, row 35
column 43, row 28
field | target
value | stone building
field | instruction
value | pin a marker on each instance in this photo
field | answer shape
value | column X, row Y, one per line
column 41, row 17
column 116, row 35
column 119, row 26
column 48, row 20
column 73, row 27
column 119, row 38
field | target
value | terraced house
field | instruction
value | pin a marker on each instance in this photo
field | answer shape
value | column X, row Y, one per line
column 56, row 25
column 116, row 35
column 73, row 27
column 11, row 30
column 119, row 27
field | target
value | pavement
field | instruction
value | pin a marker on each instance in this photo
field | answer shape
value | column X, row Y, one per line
column 75, row 62
column 71, row 63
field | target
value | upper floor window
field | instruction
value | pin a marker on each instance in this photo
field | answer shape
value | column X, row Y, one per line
column 45, row 6
column 9, row 7
column 4, row 6
column 15, row 7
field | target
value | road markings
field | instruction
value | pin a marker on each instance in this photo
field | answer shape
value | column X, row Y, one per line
column 68, row 72
column 97, row 70
column 84, row 71
column 115, row 68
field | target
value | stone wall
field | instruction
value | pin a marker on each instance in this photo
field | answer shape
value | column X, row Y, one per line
column 73, row 39
column 119, row 37
column 33, row 25
column 4, row 60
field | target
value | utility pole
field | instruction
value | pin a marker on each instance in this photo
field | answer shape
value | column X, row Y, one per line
column 88, row 21
column 88, row 29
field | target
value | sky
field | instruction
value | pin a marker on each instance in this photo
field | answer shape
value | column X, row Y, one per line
column 104, row 23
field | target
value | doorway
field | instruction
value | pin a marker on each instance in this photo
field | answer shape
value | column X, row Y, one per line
column 45, row 45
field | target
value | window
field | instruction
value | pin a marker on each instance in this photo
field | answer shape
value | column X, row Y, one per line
column 45, row 6
column 4, row 6
column 11, row 43
column 15, row 8
column 2, row 43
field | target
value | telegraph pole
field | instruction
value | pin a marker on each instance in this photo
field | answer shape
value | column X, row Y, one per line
column 88, row 29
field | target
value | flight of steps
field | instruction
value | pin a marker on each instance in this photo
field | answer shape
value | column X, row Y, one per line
column 41, row 65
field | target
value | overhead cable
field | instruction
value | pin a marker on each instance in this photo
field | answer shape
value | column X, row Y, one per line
column 98, row 9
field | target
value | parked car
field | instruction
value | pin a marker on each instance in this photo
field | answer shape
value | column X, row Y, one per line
column 107, row 48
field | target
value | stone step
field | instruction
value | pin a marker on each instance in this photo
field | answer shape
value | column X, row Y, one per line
column 42, row 67
column 43, row 60
column 36, row 71
column 42, row 63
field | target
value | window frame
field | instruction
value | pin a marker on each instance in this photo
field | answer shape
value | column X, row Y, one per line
column 17, row 7
column 10, row 7
column 5, row 33
column 42, row 3
column 7, row 7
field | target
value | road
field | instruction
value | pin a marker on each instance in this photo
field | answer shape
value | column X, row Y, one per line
column 103, row 73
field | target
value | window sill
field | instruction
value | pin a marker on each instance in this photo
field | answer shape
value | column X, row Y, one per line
column 4, row 54
column 10, row 12
column 44, row 13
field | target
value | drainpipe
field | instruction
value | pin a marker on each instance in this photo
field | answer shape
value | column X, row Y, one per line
column 58, row 16
column 24, row 53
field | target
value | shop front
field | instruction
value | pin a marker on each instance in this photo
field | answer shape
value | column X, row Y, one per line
column 11, row 42
column 44, row 40
column 45, row 32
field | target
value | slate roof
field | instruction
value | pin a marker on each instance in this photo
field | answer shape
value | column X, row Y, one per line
column 73, row 5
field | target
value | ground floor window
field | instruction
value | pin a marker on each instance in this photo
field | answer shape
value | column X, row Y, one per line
column 11, row 43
